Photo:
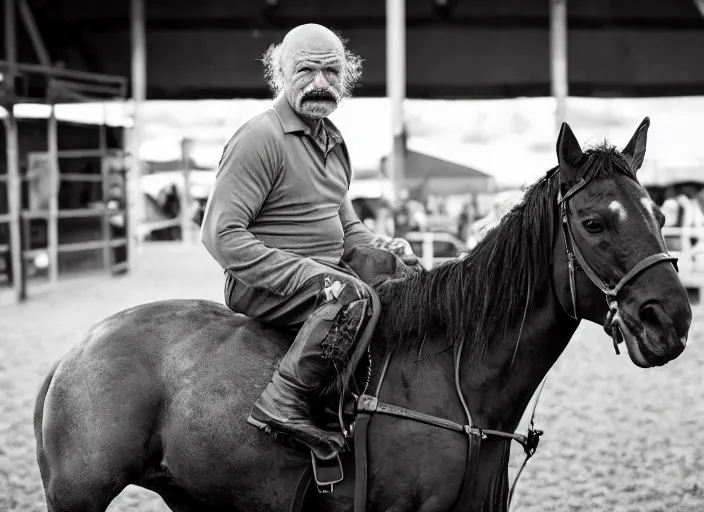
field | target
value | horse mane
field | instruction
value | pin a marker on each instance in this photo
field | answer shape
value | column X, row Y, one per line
column 479, row 297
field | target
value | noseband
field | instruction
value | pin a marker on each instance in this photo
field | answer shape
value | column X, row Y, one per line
column 575, row 260
column 369, row 404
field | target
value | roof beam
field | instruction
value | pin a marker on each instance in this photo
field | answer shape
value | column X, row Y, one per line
column 120, row 24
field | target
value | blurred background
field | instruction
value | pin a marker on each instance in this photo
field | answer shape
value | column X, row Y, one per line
column 115, row 115
column 120, row 113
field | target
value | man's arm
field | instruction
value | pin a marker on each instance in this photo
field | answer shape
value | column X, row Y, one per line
column 356, row 233
column 246, row 174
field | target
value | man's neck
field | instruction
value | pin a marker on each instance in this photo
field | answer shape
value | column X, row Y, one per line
column 316, row 126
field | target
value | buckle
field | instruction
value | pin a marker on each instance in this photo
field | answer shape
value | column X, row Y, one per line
column 532, row 440
column 326, row 473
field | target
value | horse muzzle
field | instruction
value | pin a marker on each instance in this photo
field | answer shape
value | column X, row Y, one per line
column 652, row 340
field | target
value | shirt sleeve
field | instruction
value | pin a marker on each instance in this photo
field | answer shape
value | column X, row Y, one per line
column 356, row 233
column 246, row 175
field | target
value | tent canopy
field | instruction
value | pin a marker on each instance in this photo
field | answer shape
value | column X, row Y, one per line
column 442, row 177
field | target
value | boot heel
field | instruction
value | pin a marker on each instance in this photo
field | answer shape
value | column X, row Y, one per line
column 259, row 424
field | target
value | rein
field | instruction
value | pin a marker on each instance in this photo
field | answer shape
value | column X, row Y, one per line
column 369, row 404
column 613, row 324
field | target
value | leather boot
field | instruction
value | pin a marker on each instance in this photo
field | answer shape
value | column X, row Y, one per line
column 284, row 405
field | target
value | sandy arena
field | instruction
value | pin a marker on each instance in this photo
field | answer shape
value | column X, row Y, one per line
column 618, row 438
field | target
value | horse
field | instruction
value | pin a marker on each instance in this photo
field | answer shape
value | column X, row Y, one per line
column 157, row 395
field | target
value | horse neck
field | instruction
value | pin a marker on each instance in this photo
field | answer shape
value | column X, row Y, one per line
column 498, row 384
column 497, row 392
column 499, row 389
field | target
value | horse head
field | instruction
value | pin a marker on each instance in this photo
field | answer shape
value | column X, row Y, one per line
column 611, row 247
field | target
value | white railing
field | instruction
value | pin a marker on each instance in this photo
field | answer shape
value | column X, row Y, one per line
column 689, row 246
column 428, row 239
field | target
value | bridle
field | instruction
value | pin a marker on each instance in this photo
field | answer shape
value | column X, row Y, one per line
column 368, row 404
column 575, row 260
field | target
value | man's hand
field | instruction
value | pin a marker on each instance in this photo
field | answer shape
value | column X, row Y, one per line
column 400, row 247
column 411, row 260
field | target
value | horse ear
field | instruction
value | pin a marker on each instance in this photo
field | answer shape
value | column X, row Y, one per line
column 569, row 153
column 636, row 146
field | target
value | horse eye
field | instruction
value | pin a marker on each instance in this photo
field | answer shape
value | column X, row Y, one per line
column 592, row 226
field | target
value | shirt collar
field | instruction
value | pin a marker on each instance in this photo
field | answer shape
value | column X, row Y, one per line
column 292, row 123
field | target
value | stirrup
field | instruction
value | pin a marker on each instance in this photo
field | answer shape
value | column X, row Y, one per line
column 326, row 473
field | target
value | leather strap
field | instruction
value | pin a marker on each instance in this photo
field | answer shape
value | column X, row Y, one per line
column 573, row 253
column 642, row 265
column 360, row 461
column 299, row 495
column 474, row 445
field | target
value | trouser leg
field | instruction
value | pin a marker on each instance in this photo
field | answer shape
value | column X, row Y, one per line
column 318, row 353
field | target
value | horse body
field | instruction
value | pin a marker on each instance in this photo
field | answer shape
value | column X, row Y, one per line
column 158, row 395
column 171, row 419
column 178, row 394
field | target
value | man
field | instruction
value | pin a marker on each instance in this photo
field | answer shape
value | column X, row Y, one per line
column 278, row 220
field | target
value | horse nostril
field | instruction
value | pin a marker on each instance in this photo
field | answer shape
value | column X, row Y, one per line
column 651, row 314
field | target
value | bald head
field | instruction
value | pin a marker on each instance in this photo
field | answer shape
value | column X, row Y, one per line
column 313, row 69
column 312, row 38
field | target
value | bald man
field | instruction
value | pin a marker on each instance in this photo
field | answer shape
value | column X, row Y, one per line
column 279, row 220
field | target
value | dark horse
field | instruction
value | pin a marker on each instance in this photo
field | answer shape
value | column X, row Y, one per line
column 158, row 395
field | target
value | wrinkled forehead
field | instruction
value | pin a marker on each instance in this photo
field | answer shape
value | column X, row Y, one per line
column 312, row 42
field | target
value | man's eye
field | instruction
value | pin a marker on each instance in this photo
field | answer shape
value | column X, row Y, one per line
column 305, row 70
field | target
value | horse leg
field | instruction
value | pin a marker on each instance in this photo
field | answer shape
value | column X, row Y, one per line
column 179, row 500
column 92, row 435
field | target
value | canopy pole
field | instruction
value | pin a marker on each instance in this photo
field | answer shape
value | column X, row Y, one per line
column 396, row 91
column 14, row 190
column 135, row 201
column 558, row 59
column 185, row 195
column 52, row 222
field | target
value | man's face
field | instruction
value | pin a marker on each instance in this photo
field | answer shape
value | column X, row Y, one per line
column 313, row 81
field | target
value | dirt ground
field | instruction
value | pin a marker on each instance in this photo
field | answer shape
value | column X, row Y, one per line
column 618, row 438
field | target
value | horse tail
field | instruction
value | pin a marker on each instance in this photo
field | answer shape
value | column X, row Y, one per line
column 38, row 422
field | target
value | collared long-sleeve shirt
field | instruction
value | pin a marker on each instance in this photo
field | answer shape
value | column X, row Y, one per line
column 279, row 210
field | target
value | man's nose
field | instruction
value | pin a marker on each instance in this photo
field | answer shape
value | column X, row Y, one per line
column 320, row 81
